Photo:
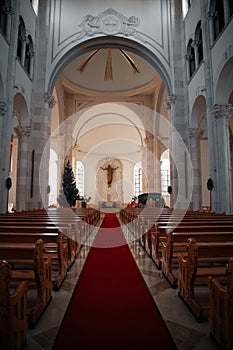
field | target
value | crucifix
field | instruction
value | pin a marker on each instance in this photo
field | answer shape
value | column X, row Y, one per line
column 109, row 174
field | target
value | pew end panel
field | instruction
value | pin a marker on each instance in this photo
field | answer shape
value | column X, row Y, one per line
column 202, row 260
column 221, row 309
column 13, row 311
column 37, row 272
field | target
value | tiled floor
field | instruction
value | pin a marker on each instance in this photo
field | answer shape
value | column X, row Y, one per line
column 187, row 332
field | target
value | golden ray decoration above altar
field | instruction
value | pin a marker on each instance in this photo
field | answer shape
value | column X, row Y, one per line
column 108, row 71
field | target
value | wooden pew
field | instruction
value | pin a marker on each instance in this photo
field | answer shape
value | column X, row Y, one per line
column 221, row 309
column 176, row 243
column 55, row 246
column 13, row 311
column 74, row 227
column 70, row 231
column 159, row 237
column 202, row 260
column 28, row 262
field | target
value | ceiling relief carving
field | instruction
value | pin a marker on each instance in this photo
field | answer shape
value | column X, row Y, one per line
column 109, row 22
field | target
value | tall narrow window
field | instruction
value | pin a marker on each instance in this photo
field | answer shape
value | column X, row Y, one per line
column 165, row 173
column 231, row 7
column 53, row 173
column 29, row 56
column 191, row 58
column 199, row 43
column 138, row 178
column 80, row 177
column 21, row 40
column 3, row 17
column 219, row 18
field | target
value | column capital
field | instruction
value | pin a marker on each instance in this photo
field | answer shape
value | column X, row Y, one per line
column 3, row 108
column 23, row 130
column 49, row 99
column 170, row 101
column 188, row 57
column 211, row 15
column 197, row 42
column 195, row 132
column 8, row 10
column 223, row 111
column 149, row 138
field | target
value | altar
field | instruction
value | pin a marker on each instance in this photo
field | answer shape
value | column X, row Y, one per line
column 110, row 206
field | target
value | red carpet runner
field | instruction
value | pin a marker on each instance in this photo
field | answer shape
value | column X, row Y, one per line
column 111, row 307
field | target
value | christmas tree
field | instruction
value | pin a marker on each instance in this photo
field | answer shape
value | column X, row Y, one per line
column 68, row 193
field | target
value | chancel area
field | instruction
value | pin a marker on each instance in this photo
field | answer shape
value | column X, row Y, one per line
column 116, row 187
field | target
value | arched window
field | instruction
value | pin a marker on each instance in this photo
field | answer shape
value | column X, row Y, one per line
column 53, row 172
column 21, row 40
column 3, row 17
column 35, row 5
column 29, row 56
column 191, row 58
column 165, row 173
column 199, row 44
column 138, row 178
column 80, row 177
column 218, row 19
column 231, row 7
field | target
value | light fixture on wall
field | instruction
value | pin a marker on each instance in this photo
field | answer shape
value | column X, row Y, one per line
column 108, row 74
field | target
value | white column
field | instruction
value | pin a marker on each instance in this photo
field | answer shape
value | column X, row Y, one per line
column 188, row 59
column 195, row 135
column 150, row 173
column 222, row 114
column 153, row 166
column 4, row 172
column 169, row 103
column 23, row 132
column 196, row 44
column 23, row 49
column 31, row 55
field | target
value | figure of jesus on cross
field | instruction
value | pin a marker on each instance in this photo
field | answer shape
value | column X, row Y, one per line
column 109, row 174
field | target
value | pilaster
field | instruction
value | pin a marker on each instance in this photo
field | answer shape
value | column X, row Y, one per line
column 23, row 133
column 153, row 165
column 194, row 136
column 222, row 113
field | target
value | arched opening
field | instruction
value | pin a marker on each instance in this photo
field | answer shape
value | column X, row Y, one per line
column 21, row 40
column 191, row 58
column 103, row 93
column 199, row 44
column 199, row 149
column 19, row 152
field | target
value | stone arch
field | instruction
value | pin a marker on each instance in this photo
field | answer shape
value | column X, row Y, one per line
column 110, row 42
column 19, row 151
column 21, row 109
column 88, row 117
column 224, row 82
column 100, row 125
column 199, row 151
